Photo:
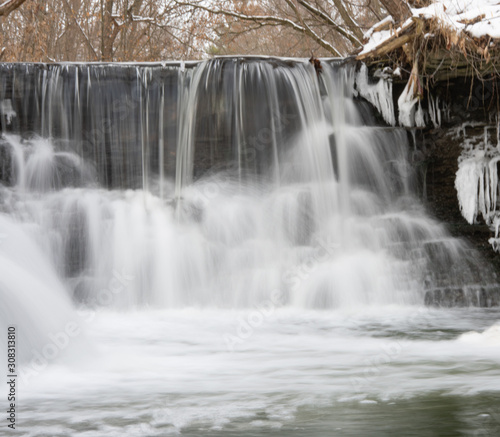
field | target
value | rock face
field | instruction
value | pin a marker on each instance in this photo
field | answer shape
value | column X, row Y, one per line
column 469, row 110
column 470, row 117
column 469, row 120
column 458, row 297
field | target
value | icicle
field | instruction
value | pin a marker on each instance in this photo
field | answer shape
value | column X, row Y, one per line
column 434, row 111
column 419, row 116
column 495, row 241
column 469, row 174
column 498, row 132
column 409, row 98
column 493, row 183
column 379, row 95
column 431, row 109
column 406, row 103
column 438, row 112
column 480, row 199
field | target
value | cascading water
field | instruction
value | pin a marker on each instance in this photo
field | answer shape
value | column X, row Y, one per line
column 188, row 206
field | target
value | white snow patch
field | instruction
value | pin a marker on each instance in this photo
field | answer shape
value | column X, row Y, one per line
column 375, row 40
column 452, row 14
column 383, row 22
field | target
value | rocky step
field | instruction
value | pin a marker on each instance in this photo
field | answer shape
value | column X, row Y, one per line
column 484, row 297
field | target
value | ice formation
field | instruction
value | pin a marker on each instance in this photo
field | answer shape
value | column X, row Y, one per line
column 406, row 105
column 476, row 181
column 411, row 112
column 434, row 111
column 379, row 94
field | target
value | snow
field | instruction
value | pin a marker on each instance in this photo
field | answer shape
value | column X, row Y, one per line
column 376, row 39
column 455, row 13
column 371, row 31
column 451, row 14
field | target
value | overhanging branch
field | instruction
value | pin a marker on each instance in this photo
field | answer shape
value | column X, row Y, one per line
column 8, row 6
column 352, row 37
column 266, row 19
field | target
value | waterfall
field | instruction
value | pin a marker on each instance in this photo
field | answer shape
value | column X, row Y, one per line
column 174, row 235
column 221, row 183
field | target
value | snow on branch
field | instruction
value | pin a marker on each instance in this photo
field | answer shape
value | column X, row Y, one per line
column 137, row 18
column 456, row 20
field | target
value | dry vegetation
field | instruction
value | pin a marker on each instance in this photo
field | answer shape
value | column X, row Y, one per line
column 440, row 52
column 102, row 30
column 153, row 30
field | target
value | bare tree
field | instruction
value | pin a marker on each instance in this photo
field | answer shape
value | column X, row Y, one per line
column 337, row 26
column 148, row 30
column 301, row 16
column 107, row 30
column 398, row 9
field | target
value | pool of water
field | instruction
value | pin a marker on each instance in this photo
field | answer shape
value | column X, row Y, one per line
column 380, row 371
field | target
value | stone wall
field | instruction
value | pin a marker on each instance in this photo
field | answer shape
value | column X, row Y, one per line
column 470, row 107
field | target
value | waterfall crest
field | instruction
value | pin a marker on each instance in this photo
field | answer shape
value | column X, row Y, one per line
column 227, row 183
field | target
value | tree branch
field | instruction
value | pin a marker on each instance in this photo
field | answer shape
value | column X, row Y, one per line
column 307, row 29
column 8, row 6
column 269, row 19
column 398, row 9
column 354, row 38
column 86, row 38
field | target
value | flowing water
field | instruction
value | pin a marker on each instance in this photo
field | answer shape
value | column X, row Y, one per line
column 228, row 248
